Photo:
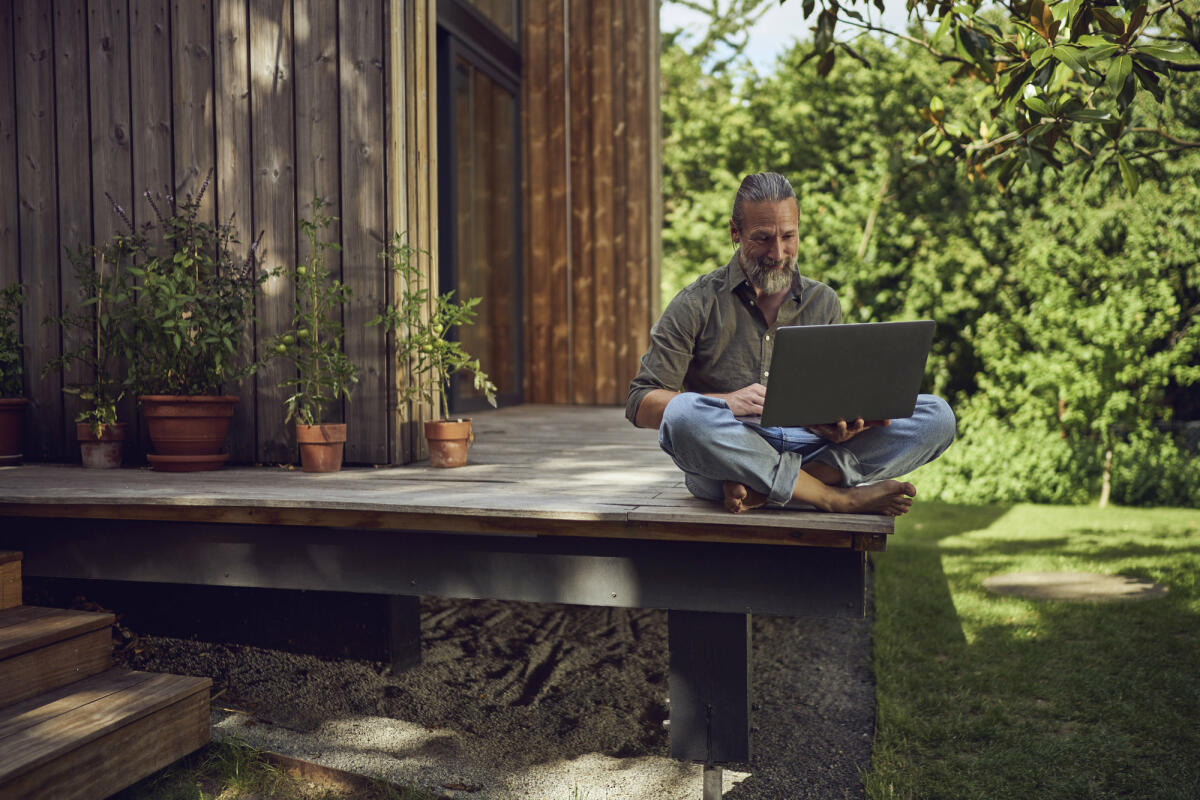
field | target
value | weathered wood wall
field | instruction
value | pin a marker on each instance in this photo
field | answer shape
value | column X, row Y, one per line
column 593, row 186
column 283, row 100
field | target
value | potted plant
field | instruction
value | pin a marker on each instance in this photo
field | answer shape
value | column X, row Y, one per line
column 101, row 320
column 192, row 298
column 12, row 403
column 324, row 373
column 424, row 349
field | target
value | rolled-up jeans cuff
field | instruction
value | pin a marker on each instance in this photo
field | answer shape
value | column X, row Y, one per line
column 783, row 483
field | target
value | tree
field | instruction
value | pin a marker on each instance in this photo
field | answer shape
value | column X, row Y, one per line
column 1060, row 79
column 1067, row 311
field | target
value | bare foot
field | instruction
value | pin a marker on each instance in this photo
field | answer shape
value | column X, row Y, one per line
column 738, row 498
column 889, row 498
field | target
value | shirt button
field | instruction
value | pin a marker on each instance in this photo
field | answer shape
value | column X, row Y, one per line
column 767, row 337
column 766, row 372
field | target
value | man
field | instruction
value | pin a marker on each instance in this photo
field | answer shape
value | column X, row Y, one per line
column 708, row 364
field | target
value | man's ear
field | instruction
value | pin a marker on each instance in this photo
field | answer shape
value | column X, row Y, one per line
column 733, row 232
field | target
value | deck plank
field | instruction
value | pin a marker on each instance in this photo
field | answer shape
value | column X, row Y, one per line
column 543, row 470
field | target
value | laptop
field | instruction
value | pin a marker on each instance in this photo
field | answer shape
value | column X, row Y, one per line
column 822, row 373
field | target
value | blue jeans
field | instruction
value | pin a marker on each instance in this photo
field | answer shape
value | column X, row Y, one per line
column 701, row 434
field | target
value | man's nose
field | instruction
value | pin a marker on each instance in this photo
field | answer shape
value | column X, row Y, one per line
column 777, row 250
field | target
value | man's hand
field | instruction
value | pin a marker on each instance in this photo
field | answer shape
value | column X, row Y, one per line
column 747, row 401
column 840, row 431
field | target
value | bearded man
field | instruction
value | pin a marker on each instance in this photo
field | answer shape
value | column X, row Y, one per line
column 708, row 364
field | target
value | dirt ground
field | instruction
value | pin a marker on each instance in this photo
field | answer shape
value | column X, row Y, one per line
column 516, row 700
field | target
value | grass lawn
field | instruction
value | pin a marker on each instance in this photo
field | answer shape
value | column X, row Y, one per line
column 230, row 771
column 985, row 696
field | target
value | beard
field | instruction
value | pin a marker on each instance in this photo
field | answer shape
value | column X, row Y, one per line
column 766, row 274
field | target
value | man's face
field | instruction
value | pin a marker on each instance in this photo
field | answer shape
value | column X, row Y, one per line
column 769, row 240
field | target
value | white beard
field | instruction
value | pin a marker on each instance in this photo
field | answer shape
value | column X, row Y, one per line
column 765, row 275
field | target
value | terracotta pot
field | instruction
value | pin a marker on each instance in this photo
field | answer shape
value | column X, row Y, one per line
column 449, row 440
column 103, row 451
column 321, row 446
column 187, row 432
column 12, row 430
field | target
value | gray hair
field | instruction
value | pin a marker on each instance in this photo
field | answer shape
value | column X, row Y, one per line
column 762, row 187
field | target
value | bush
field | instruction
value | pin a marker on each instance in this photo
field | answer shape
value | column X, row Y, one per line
column 995, row 463
column 1155, row 468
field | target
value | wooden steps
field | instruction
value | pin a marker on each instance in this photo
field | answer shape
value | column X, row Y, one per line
column 44, row 648
column 71, row 728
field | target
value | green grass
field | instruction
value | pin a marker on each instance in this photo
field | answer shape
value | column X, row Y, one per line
column 983, row 696
column 232, row 771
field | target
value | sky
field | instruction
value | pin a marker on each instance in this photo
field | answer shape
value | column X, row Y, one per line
column 778, row 27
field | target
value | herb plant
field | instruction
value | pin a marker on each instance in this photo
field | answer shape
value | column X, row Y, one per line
column 102, row 320
column 11, row 384
column 421, row 343
column 314, row 343
column 193, row 297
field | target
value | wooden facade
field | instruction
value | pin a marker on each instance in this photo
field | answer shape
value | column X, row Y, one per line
column 593, row 189
column 284, row 100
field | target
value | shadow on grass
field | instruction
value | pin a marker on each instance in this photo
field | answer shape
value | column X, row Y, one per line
column 987, row 696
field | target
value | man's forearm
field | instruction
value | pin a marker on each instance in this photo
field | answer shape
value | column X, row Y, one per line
column 650, row 412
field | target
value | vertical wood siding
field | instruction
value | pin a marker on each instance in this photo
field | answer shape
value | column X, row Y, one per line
column 282, row 100
column 593, row 187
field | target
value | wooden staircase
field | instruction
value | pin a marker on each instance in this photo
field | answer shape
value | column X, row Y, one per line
column 71, row 727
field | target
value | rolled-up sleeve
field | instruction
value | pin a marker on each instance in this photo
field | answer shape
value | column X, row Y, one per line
column 672, row 345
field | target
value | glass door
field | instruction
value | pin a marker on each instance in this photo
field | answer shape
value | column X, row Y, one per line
column 480, row 214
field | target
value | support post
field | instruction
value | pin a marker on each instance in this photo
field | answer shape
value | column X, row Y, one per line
column 710, row 687
column 713, row 775
column 404, row 631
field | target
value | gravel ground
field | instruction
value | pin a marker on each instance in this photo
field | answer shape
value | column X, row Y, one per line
column 521, row 700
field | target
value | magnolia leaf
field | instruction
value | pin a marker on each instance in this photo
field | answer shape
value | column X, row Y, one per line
column 1108, row 22
column 1071, row 57
column 1038, row 106
column 1098, row 53
column 1090, row 115
column 1118, row 72
column 825, row 64
column 1129, row 175
column 1135, row 21
column 1171, row 55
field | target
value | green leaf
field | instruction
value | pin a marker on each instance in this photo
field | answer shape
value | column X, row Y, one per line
column 1118, row 72
column 1171, row 55
column 1071, row 57
column 1090, row 115
column 1098, row 53
column 1129, row 175
column 1038, row 106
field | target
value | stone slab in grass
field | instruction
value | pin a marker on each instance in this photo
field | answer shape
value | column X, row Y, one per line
column 1078, row 586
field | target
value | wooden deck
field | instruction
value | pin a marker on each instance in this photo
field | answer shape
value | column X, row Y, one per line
column 534, row 470
column 557, row 505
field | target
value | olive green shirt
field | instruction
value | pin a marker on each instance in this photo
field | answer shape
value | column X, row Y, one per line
column 712, row 338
